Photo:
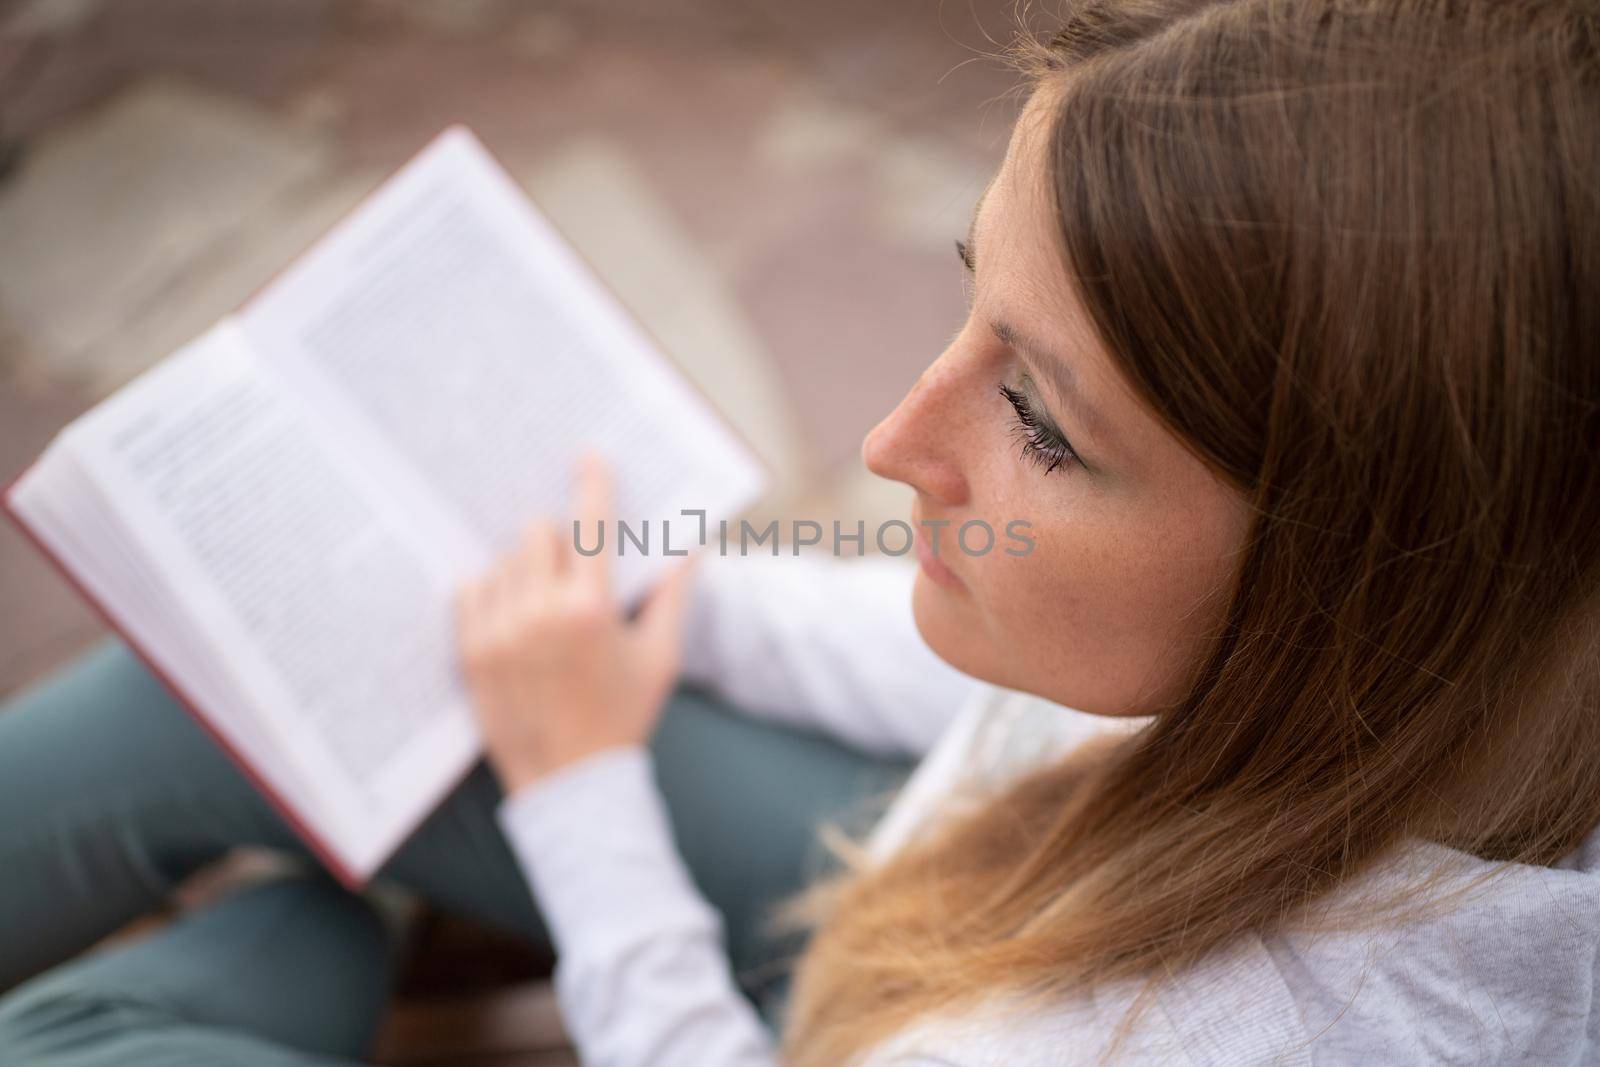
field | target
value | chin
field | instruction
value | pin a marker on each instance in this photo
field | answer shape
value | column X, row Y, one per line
column 946, row 623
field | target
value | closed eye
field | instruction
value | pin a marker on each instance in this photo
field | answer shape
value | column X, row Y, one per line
column 1041, row 443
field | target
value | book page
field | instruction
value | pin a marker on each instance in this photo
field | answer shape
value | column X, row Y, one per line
column 309, row 584
column 61, row 506
column 470, row 356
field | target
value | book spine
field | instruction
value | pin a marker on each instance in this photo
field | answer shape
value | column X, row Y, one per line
column 319, row 848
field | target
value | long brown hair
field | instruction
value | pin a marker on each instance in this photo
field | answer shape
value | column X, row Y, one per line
column 1349, row 252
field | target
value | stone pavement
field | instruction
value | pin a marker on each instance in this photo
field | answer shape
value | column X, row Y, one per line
column 772, row 187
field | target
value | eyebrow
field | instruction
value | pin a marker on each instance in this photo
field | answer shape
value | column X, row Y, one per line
column 1042, row 361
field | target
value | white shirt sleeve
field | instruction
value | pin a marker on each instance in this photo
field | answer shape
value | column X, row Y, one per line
column 823, row 644
column 642, row 976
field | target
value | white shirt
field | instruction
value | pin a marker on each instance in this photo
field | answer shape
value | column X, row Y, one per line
column 1506, row 977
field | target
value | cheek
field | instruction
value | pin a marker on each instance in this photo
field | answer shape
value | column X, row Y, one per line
column 1067, row 621
column 1104, row 615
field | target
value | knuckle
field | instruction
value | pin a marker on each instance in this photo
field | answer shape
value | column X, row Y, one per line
column 476, row 656
column 530, row 620
column 584, row 612
column 466, row 600
column 510, row 634
column 534, row 610
column 496, row 645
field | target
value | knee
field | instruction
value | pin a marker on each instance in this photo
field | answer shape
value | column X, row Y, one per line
column 44, row 1023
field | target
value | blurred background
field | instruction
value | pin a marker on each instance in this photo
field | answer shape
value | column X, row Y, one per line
column 773, row 187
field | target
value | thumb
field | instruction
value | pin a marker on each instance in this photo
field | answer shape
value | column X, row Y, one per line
column 660, row 619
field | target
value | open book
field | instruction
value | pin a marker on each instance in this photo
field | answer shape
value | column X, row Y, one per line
column 277, row 516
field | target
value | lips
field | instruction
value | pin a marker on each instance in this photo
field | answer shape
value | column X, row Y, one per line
column 934, row 566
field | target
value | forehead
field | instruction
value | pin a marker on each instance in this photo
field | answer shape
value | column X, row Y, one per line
column 1023, row 273
column 1016, row 227
column 1020, row 187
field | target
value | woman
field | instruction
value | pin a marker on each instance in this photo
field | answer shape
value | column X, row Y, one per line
column 1282, row 340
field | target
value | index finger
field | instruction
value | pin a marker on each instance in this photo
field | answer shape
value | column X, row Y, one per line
column 594, row 502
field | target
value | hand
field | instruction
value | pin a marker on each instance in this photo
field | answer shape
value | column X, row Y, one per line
column 555, row 671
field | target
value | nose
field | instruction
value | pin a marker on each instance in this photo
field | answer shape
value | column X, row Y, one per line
column 919, row 442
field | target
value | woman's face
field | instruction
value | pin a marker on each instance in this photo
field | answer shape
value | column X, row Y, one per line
column 1106, row 611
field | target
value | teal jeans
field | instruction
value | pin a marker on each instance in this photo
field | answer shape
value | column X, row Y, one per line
column 110, row 794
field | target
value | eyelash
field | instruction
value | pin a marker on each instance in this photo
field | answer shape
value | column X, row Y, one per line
column 1040, row 444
